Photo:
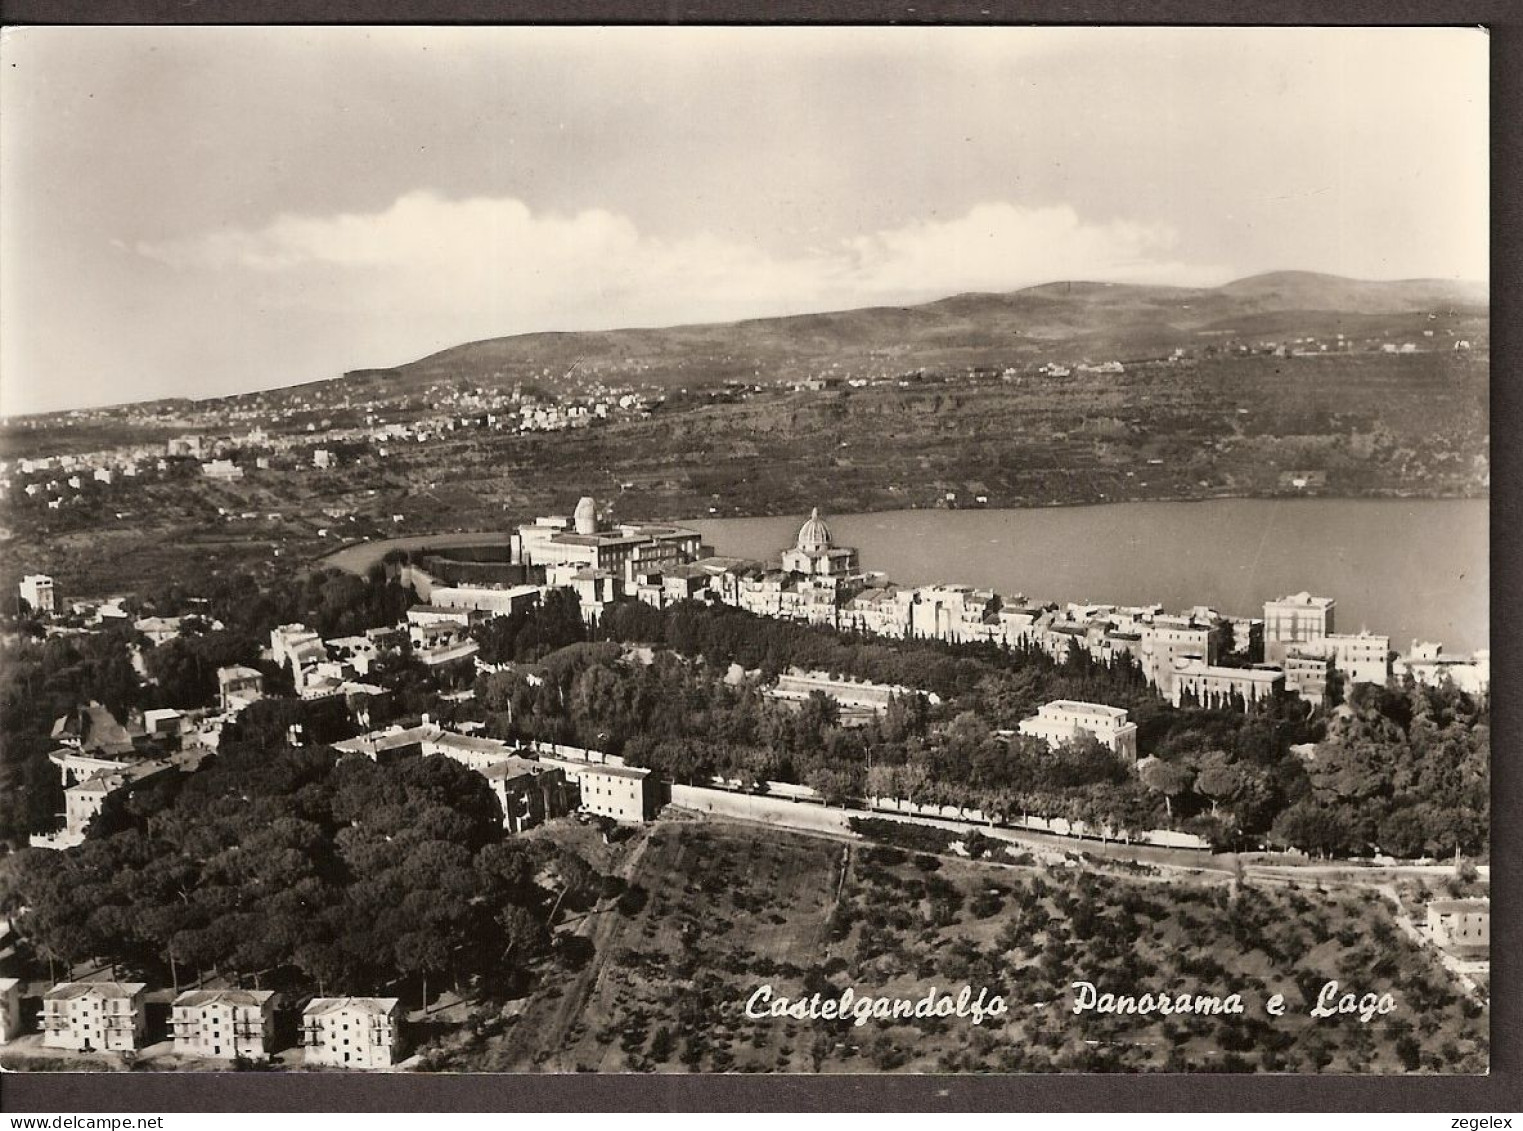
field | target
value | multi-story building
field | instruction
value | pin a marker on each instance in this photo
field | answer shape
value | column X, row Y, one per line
column 1306, row 671
column 10, row 1009
column 1068, row 720
column 37, row 592
column 1429, row 667
column 880, row 612
column 530, row 792
column 94, row 1016
column 1360, row 658
column 296, row 646
column 238, row 687
column 1167, row 641
column 579, row 541
column 88, row 780
column 497, row 601
column 1209, row 686
column 224, row 1023
column 624, row 793
column 352, row 1032
column 1297, row 619
column 955, row 613
column 1462, row 926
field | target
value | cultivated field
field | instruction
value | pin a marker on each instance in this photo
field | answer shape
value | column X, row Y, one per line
column 715, row 910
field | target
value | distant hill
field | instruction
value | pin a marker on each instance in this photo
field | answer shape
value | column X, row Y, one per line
column 1068, row 321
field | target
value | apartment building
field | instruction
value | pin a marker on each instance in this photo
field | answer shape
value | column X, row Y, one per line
column 94, row 1016
column 10, row 1009
column 352, row 1032
column 224, row 1024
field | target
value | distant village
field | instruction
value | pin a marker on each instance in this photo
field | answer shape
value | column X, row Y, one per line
column 320, row 428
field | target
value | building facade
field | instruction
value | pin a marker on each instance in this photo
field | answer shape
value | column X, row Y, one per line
column 10, row 1009
column 1068, row 720
column 1462, row 926
column 224, row 1024
column 623, row 549
column 1360, row 658
column 1166, row 641
column 94, row 1016
column 37, row 592
column 1224, row 688
column 1306, row 673
column 530, row 792
column 1297, row 619
column 623, row 793
column 352, row 1032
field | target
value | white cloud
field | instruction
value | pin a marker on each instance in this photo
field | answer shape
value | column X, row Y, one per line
column 451, row 270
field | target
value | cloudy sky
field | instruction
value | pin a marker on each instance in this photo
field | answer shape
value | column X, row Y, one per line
column 200, row 211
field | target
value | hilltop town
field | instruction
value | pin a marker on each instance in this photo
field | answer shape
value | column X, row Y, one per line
column 462, row 786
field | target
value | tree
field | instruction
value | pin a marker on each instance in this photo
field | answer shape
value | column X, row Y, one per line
column 422, row 953
column 1166, row 778
column 1219, row 778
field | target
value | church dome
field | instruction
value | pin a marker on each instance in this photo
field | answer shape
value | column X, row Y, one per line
column 814, row 535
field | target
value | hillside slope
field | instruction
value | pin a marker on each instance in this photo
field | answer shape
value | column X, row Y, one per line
column 1071, row 321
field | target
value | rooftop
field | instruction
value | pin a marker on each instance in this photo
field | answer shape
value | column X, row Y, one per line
column 321, row 1005
column 229, row 996
column 68, row 991
column 514, row 766
column 1305, row 599
column 1090, row 708
column 1459, row 906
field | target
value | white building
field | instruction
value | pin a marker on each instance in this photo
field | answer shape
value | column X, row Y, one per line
column 1297, row 619
column 1360, row 658
column 605, row 785
column 352, row 1032
column 1223, row 688
column 94, row 1016
column 626, row 549
column 1068, row 720
column 1462, row 926
column 495, row 600
column 238, row 686
column 224, row 1023
column 10, row 1009
column 1429, row 667
column 224, row 469
column 37, row 592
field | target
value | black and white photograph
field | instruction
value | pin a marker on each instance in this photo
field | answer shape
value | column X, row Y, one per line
column 777, row 550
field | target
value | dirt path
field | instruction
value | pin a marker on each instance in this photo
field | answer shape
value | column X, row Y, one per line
column 552, row 1025
column 1450, row 963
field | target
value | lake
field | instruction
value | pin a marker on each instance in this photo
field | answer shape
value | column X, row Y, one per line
column 1410, row 569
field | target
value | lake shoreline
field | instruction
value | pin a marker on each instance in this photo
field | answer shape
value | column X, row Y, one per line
column 1229, row 553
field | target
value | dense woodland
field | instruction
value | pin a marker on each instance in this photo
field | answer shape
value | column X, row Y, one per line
column 1404, row 770
column 292, row 868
